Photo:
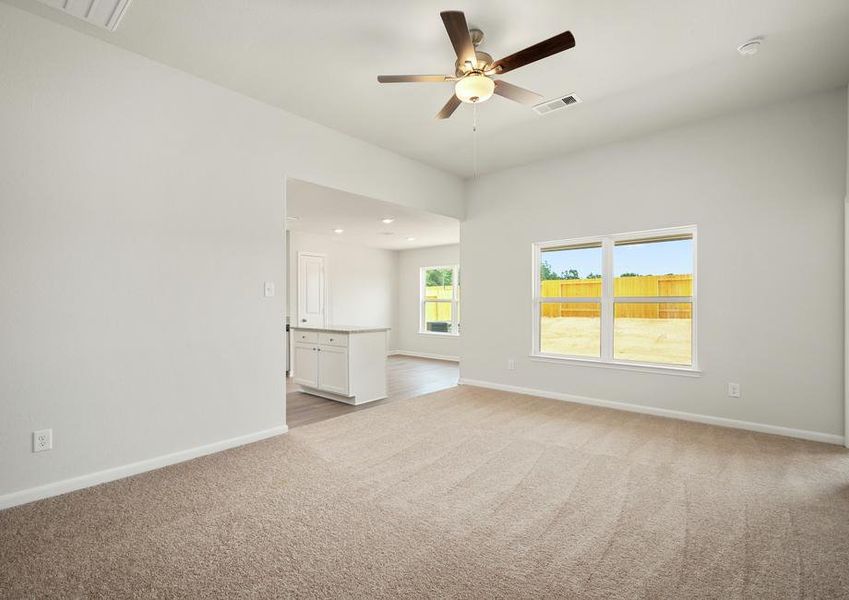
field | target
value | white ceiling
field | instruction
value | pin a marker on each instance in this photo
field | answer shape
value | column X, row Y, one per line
column 322, row 209
column 638, row 66
column 102, row 13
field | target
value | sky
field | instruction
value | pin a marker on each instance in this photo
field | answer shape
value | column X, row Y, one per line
column 657, row 258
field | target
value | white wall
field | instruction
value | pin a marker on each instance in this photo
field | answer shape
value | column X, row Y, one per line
column 360, row 281
column 846, row 292
column 141, row 209
column 765, row 188
column 407, row 336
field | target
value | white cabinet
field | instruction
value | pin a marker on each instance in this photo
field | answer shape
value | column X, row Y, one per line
column 321, row 367
column 333, row 369
column 305, row 357
column 347, row 365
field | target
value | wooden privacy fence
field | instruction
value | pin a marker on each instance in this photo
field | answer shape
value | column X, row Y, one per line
column 438, row 311
column 642, row 285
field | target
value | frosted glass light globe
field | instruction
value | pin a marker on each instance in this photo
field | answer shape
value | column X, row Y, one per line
column 474, row 88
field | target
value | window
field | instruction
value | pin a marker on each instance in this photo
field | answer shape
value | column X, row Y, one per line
column 570, row 307
column 440, row 300
column 626, row 299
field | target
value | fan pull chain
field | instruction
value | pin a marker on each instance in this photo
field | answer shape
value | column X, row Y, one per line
column 475, row 140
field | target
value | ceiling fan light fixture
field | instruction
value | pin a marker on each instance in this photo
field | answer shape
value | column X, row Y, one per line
column 474, row 87
column 473, row 67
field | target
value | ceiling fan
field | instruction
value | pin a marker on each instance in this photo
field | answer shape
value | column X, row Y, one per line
column 474, row 70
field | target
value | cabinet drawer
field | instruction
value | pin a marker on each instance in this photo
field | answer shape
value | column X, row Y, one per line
column 333, row 339
column 307, row 337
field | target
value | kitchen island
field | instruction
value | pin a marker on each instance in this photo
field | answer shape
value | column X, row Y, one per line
column 343, row 363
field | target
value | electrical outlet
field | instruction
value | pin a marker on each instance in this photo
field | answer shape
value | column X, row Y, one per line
column 511, row 364
column 733, row 390
column 42, row 440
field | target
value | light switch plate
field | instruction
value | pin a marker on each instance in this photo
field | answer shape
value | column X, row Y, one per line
column 269, row 289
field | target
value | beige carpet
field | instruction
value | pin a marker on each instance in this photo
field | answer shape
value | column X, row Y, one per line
column 466, row 493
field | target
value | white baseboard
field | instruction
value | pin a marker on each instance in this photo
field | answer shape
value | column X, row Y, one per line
column 425, row 355
column 84, row 481
column 814, row 436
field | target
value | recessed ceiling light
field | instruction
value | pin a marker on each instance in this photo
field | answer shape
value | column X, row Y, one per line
column 411, row 239
column 750, row 47
column 338, row 230
column 387, row 220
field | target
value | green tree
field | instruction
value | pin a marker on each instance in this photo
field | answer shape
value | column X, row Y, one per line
column 593, row 276
column 546, row 273
column 442, row 277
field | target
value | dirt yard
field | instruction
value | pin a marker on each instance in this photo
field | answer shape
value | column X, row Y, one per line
column 646, row 340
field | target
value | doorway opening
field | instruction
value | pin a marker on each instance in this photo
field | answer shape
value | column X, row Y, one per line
column 356, row 302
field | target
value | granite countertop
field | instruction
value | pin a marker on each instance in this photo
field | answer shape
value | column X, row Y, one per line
column 343, row 328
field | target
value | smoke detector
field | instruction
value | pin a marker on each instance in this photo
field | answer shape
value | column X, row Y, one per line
column 751, row 47
column 105, row 14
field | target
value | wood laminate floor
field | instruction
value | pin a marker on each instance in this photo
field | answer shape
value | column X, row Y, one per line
column 407, row 377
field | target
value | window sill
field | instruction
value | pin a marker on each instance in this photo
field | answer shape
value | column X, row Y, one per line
column 621, row 366
column 439, row 334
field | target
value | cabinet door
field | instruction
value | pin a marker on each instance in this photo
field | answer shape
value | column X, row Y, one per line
column 333, row 369
column 305, row 364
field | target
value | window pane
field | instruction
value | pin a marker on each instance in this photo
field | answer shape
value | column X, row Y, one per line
column 438, row 317
column 439, row 284
column 570, row 272
column 654, row 332
column 654, row 268
column 570, row 328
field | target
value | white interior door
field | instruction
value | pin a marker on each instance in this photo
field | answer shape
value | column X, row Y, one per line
column 311, row 289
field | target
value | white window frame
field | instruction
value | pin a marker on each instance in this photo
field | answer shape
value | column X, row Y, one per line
column 455, row 301
column 607, row 301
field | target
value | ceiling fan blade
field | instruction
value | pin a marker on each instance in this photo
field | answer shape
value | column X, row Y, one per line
column 458, row 32
column 558, row 43
column 449, row 108
column 413, row 78
column 516, row 93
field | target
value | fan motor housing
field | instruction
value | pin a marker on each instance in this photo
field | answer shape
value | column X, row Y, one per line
column 484, row 60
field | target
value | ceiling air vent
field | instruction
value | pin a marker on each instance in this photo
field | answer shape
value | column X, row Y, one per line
column 552, row 105
column 101, row 13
